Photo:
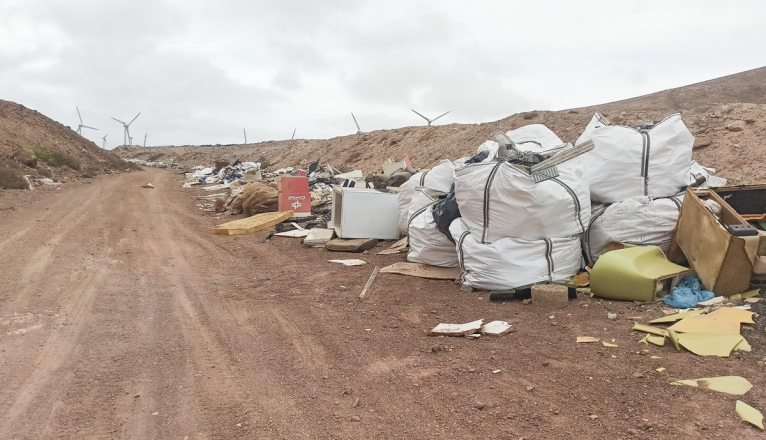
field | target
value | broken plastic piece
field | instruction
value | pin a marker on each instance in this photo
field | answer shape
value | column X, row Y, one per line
column 749, row 414
column 650, row 329
column 634, row 274
column 677, row 316
column 661, row 369
column 656, row 340
column 456, row 329
column 587, row 339
column 710, row 344
column 674, row 338
column 735, row 385
column 608, row 345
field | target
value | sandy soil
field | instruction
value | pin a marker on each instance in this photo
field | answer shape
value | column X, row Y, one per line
column 121, row 316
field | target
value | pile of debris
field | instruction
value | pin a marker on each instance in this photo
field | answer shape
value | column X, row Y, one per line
column 154, row 163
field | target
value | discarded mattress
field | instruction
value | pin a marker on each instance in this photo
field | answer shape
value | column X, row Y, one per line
column 498, row 200
column 651, row 160
column 428, row 245
column 512, row 262
column 640, row 221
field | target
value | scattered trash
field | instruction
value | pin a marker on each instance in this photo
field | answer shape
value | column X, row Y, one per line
column 496, row 328
column 735, row 385
column 709, row 344
column 319, row 236
column 295, row 233
column 687, row 293
column 637, row 273
column 369, row 282
column 148, row 185
column 252, row 224
column 712, row 301
column 608, row 345
column 423, row 271
column 456, row 329
column 650, row 329
column 749, row 414
column 365, row 213
column 676, row 316
column 586, row 339
column 351, row 245
column 611, row 315
column 660, row 370
column 350, row 262
column 396, row 248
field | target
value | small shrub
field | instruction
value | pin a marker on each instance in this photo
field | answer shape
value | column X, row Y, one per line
column 11, row 177
column 56, row 158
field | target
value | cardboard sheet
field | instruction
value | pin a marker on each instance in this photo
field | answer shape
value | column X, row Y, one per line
column 456, row 329
column 423, row 271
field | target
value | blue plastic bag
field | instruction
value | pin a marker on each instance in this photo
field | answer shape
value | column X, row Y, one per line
column 688, row 293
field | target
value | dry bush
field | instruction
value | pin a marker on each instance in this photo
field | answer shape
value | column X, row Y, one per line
column 11, row 177
column 56, row 158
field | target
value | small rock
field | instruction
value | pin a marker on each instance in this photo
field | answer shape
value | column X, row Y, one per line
column 530, row 388
column 137, row 396
column 735, row 126
column 466, row 288
column 760, row 364
column 611, row 315
column 355, row 419
column 437, row 348
column 479, row 405
column 546, row 363
column 593, row 416
column 701, row 142
column 633, row 431
column 531, row 115
column 471, row 370
column 527, row 301
column 638, row 375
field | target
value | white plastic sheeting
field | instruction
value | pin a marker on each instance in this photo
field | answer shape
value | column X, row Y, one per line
column 512, row 262
column 427, row 244
column 640, row 220
column 497, row 200
column 628, row 162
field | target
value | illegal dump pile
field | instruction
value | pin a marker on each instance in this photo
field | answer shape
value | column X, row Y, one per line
column 623, row 214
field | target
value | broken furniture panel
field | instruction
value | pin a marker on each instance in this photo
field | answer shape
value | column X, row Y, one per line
column 635, row 274
column 723, row 261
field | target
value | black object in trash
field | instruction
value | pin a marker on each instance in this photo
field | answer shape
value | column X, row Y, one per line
column 445, row 211
column 742, row 230
column 479, row 157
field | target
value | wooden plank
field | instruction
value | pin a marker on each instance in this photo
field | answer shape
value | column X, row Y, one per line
column 252, row 224
column 369, row 282
column 423, row 271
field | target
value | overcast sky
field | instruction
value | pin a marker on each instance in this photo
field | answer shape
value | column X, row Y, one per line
column 202, row 71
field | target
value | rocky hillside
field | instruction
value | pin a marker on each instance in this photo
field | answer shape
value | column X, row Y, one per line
column 727, row 116
column 35, row 145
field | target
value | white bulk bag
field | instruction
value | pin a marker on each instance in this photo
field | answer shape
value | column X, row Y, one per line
column 536, row 138
column 427, row 244
column 628, row 162
column 511, row 262
column 440, row 178
column 640, row 221
column 497, row 200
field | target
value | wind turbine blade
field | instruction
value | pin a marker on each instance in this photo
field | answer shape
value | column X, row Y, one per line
column 357, row 124
column 85, row 126
column 293, row 137
column 139, row 113
column 119, row 121
column 421, row 116
column 439, row 116
column 78, row 114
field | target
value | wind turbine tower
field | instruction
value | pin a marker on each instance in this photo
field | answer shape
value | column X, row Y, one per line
column 293, row 137
column 245, row 132
column 126, row 138
column 145, row 135
column 104, row 139
column 358, row 130
column 429, row 120
column 81, row 126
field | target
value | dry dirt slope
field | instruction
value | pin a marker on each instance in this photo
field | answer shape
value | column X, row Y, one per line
column 727, row 115
column 36, row 145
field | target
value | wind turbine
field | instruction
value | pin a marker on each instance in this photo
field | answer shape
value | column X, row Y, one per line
column 104, row 139
column 80, row 127
column 245, row 132
column 293, row 137
column 429, row 120
column 126, row 137
column 145, row 135
column 358, row 130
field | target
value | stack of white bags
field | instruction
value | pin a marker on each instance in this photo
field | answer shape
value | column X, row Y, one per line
column 637, row 177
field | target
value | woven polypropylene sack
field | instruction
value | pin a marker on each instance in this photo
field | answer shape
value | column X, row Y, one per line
column 511, row 262
column 629, row 162
column 428, row 245
column 641, row 221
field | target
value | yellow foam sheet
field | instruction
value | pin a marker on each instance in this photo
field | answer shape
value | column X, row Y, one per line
column 608, row 345
column 735, row 385
column 587, row 339
column 661, row 369
column 709, row 344
column 749, row 294
column 706, row 324
column 677, row 316
column 674, row 338
column 749, row 414
column 743, row 346
column 656, row 340
column 732, row 314
column 650, row 329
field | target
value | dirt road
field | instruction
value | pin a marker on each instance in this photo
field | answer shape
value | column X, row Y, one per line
column 121, row 316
